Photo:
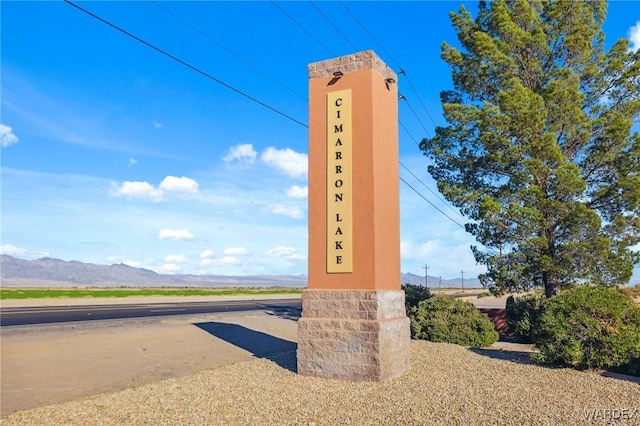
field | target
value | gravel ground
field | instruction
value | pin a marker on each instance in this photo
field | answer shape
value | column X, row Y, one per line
column 447, row 384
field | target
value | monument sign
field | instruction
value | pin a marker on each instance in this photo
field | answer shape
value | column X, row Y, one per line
column 353, row 325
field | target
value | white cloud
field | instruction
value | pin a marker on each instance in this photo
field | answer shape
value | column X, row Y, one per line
column 283, row 252
column 293, row 163
column 237, row 251
column 207, row 254
column 145, row 191
column 11, row 250
column 244, row 153
column 157, row 125
column 141, row 190
column 179, row 184
column 170, row 268
column 222, row 261
column 175, row 234
column 6, row 136
column 176, row 258
column 133, row 161
column 293, row 212
column 298, row 191
column 634, row 37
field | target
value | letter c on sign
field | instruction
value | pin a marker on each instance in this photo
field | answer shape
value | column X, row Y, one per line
column 339, row 102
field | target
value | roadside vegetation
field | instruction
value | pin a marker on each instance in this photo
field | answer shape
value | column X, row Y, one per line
column 47, row 293
column 540, row 153
column 443, row 318
column 585, row 327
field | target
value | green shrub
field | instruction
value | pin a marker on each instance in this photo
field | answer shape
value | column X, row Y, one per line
column 589, row 327
column 446, row 319
column 522, row 314
column 414, row 294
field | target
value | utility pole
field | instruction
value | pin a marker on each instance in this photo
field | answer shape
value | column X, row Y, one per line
column 426, row 279
column 462, row 272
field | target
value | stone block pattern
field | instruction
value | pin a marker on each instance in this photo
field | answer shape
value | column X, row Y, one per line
column 360, row 335
column 350, row 63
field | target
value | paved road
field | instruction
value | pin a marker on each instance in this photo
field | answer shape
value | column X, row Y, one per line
column 55, row 314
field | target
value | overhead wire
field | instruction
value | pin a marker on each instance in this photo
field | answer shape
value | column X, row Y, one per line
column 302, row 28
column 231, row 52
column 430, row 190
column 230, row 87
column 433, row 205
column 369, row 34
column 400, row 122
column 186, row 64
column 417, row 117
column 401, row 71
column 418, row 179
column 333, row 25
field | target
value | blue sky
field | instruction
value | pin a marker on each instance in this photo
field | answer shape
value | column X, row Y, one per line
column 112, row 152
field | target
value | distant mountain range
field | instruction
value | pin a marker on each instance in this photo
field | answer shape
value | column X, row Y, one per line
column 49, row 272
column 439, row 282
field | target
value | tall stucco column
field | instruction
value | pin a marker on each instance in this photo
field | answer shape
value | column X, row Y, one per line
column 353, row 325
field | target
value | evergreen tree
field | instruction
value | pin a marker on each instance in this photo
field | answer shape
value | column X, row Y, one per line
column 539, row 150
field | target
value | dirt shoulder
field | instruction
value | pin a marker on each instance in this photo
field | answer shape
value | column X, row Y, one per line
column 44, row 365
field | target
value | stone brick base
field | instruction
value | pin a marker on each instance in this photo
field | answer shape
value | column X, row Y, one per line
column 353, row 335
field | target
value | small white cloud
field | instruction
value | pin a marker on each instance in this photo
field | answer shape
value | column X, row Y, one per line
column 207, row 253
column 6, row 136
column 634, row 37
column 176, row 258
column 293, row 163
column 133, row 161
column 298, row 191
column 170, row 268
column 237, row 251
column 157, row 125
column 179, row 184
column 146, row 191
column 283, row 252
column 293, row 212
column 243, row 153
column 13, row 250
column 175, row 234
column 140, row 190
column 23, row 253
column 222, row 261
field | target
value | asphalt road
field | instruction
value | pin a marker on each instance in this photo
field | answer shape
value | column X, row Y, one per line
column 56, row 314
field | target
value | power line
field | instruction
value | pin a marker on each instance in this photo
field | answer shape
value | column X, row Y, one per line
column 416, row 115
column 429, row 189
column 403, row 72
column 433, row 205
column 333, row 25
column 186, row 64
column 369, row 33
column 231, row 52
column 302, row 28
column 228, row 86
